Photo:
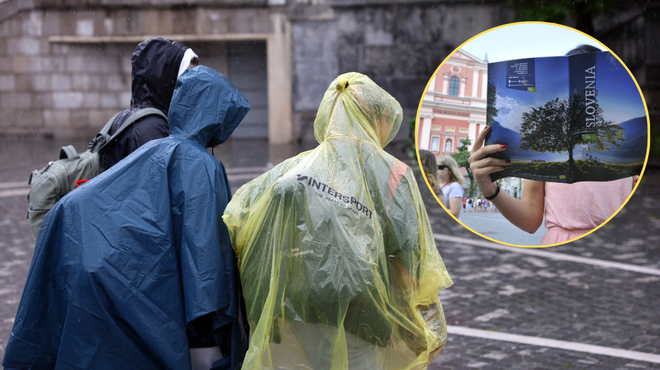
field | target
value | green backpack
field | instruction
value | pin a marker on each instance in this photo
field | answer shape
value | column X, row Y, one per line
column 49, row 184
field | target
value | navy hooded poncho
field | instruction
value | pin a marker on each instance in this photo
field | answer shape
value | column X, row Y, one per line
column 124, row 263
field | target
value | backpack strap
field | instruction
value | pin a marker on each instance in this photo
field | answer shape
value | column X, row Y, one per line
column 102, row 137
column 134, row 117
column 69, row 152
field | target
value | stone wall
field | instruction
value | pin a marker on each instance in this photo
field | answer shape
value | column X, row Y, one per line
column 398, row 45
column 57, row 88
column 632, row 32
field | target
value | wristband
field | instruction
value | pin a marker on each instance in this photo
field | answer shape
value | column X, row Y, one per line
column 497, row 191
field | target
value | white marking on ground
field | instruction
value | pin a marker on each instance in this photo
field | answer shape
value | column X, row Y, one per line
column 14, row 192
column 551, row 255
column 14, row 184
column 552, row 343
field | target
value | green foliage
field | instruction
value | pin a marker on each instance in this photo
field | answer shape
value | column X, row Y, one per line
column 540, row 168
column 461, row 157
column 551, row 128
column 409, row 146
column 491, row 99
column 545, row 129
column 655, row 142
column 584, row 170
column 581, row 12
column 601, row 171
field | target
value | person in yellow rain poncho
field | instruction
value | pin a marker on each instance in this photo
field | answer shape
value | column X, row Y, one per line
column 336, row 254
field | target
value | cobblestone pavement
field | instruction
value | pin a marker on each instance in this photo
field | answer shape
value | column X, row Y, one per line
column 514, row 293
column 498, row 291
column 493, row 225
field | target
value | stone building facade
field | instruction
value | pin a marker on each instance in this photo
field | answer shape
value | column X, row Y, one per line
column 66, row 68
column 454, row 106
column 65, row 64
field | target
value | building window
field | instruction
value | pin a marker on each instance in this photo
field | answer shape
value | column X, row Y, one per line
column 434, row 144
column 436, row 127
column 448, row 146
column 450, row 129
column 463, row 130
column 454, row 84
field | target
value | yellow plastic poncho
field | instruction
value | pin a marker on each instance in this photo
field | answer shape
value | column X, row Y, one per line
column 336, row 254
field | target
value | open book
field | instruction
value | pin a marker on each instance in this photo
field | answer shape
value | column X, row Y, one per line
column 567, row 119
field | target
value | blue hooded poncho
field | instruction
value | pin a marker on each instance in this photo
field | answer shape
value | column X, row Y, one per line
column 126, row 262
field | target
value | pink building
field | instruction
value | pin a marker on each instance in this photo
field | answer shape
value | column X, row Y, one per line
column 454, row 107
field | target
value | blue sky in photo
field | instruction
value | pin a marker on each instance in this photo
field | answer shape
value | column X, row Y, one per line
column 617, row 93
column 551, row 82
column 532, row 40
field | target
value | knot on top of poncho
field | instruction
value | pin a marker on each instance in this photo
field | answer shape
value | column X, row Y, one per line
column 354, row 106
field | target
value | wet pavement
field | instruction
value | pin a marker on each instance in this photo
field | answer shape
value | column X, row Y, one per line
column 494, row 226
column 602, row 290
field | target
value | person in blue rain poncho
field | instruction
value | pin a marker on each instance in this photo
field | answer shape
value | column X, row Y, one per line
column 337, row 258
column 126, row 265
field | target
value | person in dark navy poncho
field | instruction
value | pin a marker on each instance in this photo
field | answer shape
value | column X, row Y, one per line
column 127, row 265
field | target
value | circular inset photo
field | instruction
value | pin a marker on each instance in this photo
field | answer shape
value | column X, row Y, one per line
column 532, row 134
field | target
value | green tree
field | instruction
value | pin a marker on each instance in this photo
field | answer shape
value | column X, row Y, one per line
column 551, row 128
column 579, row 13
column 409, row 146
column 461, row 157
column 491, row 99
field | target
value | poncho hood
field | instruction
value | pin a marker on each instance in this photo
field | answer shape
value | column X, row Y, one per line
column 355, row 106
column 208, row 110
column 155, row 64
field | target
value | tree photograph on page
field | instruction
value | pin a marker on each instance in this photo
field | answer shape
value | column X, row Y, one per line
column 566, row 119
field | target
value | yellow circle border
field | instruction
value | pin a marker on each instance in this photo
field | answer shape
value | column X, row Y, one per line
column 648, row 134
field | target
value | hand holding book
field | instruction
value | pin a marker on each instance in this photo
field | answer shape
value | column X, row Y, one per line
column 483, row 165
column 526, row 213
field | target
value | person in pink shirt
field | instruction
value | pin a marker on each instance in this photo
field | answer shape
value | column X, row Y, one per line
column 570, row 210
